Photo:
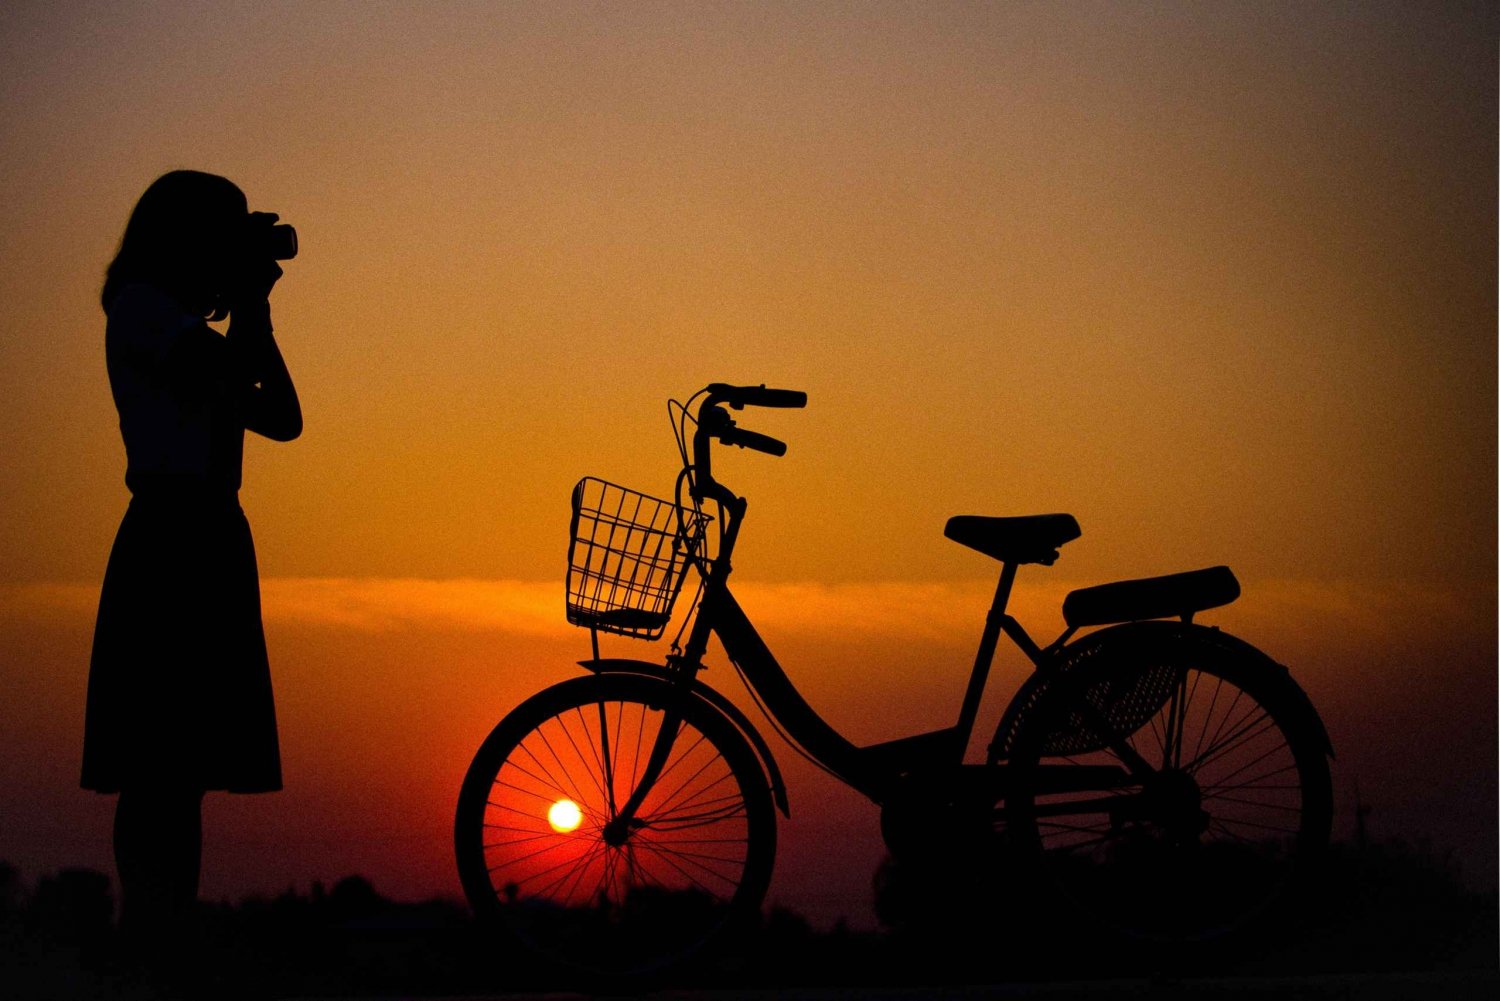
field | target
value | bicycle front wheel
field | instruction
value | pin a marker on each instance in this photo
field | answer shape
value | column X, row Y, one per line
column 538, row 852
column 1170, row 784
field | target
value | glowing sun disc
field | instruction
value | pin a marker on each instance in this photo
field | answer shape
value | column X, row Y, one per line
column 564, row 816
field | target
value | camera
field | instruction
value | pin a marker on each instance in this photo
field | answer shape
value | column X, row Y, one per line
column 269, row 239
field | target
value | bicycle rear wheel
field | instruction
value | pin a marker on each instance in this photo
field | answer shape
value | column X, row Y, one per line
column 1220, row 797
column 537, row 851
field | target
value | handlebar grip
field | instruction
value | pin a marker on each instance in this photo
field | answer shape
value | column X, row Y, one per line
column 758, row 396
column 753, row 440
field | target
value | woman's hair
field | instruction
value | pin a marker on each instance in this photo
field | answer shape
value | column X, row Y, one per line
column 179, row 238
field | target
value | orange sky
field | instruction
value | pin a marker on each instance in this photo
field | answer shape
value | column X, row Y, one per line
column 1219, row 280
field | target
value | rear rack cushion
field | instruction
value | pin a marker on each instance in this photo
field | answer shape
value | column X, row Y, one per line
column 1174, row 595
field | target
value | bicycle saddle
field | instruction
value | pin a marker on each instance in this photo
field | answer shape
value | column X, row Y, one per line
column 1032, row 539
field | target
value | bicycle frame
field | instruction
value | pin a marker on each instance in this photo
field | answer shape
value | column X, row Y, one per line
column 872, row 770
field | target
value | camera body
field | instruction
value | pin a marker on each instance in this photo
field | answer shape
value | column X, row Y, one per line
column 268, row 239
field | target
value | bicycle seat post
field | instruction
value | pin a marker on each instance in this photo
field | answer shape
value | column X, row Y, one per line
column 994, row 622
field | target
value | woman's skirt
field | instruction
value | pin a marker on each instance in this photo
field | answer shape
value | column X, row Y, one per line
column 179, row 686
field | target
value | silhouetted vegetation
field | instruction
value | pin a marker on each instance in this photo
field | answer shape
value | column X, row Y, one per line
column 1387, row 907
column 1384, row 907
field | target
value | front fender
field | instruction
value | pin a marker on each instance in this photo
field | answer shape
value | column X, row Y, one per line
column 623, row 665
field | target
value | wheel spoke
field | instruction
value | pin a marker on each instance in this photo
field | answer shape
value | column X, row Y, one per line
column 670, row 857
column 635, row 762
column 1259, row 827
column 1208, row 716
column 1281, row 746
column 666, row 857
column 1078, row 846
column 1161, row 741
column 681, row 756
column 685, row 783
column 1076, row 828
column 1170, row 752
column 547, row 871
column 582, row 761
column 1228, row 713
column 1258, row 803
column 1187, row 704
column 545, row 779
column 605, row 793
column 1262, row 724
column 512, row 842
column 1215, row 825
column 702, row 815
column 574, row 878
column 575, row 794
column 530, row 855
column 1256, row 782
column 524, row 792
column 662, row 846
column 530, row 814
column 671, row 804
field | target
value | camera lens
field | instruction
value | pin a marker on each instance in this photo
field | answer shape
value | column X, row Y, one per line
column 281, row 241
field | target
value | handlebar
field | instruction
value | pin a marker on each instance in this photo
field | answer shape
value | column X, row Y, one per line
column 739, row 397
column 714, row 423
column 753, row 440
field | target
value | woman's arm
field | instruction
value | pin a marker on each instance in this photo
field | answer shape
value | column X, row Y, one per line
column 264, row 392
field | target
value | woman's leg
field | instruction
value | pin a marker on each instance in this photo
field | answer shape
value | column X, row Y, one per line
column 158, row 853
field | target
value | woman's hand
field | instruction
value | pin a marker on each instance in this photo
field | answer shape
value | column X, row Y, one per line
column 254, row 273
column 253, row 284
column 268, row 400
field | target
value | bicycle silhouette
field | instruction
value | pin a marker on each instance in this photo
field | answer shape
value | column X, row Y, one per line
column 1170, row 780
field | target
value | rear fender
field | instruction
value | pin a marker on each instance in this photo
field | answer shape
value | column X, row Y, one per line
column 1150, row 633
column 1213, row 634
column 620, row 665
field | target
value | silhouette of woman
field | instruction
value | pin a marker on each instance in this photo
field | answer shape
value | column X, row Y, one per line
column 179, row 695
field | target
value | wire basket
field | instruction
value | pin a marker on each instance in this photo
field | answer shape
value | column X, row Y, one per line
column 627, row 558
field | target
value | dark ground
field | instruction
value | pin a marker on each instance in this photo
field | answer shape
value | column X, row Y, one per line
column 1390, row 920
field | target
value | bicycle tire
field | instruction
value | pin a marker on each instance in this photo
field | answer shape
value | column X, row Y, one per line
column 1233, row 820
column 694, row 870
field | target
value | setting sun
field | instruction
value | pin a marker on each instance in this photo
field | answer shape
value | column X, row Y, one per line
column 564, row 816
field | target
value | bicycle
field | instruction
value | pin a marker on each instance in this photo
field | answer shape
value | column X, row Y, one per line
column 1163, row 775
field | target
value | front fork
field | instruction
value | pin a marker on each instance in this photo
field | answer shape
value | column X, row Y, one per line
column 623, row 822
